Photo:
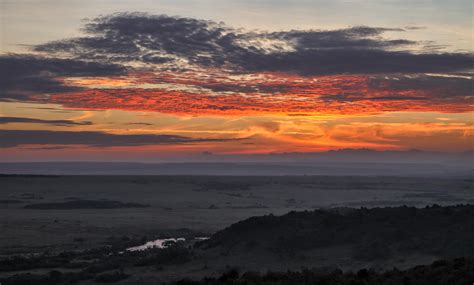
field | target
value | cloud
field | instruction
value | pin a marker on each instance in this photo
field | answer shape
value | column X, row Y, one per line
column 43, row 148
column 153, row 39
column 9, row 120
column 188, row 66
column 443, row 86
column 357, row 61
column 139, row 124
column 280, row 94
column 435, row 89
column 13, row 138
column 24, row 75
column 176, row 42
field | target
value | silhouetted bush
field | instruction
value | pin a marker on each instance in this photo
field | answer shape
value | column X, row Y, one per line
column 454, row 272
column 174, row 254
column 111, row 277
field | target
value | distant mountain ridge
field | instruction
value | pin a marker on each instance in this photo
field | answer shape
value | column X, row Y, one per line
column 365, row 162
column 237, row 169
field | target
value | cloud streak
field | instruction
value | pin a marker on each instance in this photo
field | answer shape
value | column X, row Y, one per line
column 13, row 138
column 10, row 120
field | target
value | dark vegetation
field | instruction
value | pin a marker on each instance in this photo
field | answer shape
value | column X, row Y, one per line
column 114, row 252
column 104, row 264
column 84, row 204
column 11, row 201
column 31, row 196
column 27, row 175
column 373, row 233
column 458, row 271
column 225, row 186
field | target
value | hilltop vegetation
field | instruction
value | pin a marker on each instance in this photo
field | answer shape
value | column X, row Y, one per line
column 374, row 233
column 458, row 271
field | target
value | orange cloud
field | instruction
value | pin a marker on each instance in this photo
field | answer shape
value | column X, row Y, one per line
column 281, row 112
column 215, row 92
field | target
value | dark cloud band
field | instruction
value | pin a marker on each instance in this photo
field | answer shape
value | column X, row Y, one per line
column 12, row 138
column 9, row 120
column 162, row 40
column 25, row 75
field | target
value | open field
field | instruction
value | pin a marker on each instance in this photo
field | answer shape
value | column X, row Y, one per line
column 36, row 212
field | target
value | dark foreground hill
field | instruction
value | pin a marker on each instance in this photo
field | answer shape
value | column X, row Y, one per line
column 342, row 246
column 376, row 233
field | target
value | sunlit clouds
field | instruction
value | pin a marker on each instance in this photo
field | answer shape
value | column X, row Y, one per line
column 138, row 85
column 191, row 94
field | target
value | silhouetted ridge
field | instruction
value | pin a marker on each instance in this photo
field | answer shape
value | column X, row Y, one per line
column 373, row 233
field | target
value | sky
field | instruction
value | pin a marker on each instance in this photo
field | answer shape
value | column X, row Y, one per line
column 172, row 80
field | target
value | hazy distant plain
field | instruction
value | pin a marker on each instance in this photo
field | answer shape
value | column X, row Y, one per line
column 201, row 204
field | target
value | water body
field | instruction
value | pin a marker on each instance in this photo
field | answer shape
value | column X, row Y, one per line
column 161, row 243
